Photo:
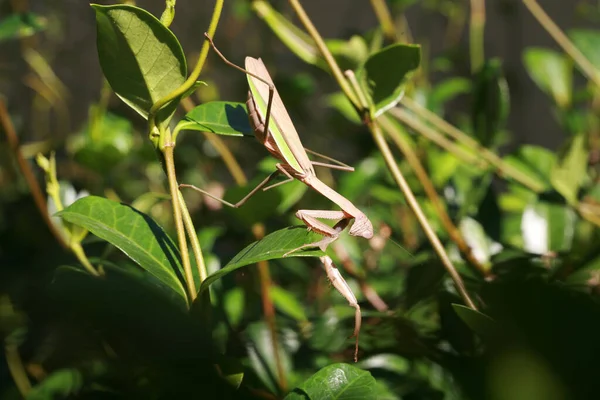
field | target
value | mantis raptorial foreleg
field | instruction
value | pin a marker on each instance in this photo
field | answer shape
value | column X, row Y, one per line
column 338, row 282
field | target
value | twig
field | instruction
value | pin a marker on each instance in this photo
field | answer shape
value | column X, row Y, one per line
column 34, row 187
column 414, row 205
column 563, row 41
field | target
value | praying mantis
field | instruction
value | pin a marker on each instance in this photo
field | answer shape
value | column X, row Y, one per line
column 273, row 128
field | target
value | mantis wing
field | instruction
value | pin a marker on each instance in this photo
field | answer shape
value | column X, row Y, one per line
column 281, row 126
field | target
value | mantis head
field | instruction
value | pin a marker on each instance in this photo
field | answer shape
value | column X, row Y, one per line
column 362, row 227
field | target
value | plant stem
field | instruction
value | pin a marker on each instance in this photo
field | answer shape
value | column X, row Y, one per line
column 432, row 194
column 191, row 232
column 504, row 169
column 476, row 34
column 434, row 136
column 77, row 249
column 269, row 308
column 385, row 19
column 416, row 209
column 191, row 80
column 320, row 43
column 563, row 41
column 34, row 187
column 167, row 151
column 16, row 369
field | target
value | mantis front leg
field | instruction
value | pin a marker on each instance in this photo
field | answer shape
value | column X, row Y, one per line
column 338, row 282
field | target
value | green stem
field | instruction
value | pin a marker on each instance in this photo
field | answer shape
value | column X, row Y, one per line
column 476, row 34
column 16, row 369
column 563, row 41
column 320, row 43
column 167, row 150
column 191, row 80
column 77, row 249
column 169, row 14
column 416, row 209
column 191, row 232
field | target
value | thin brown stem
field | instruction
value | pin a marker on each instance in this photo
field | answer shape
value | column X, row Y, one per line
column 385, row 19
column 416, row 209
column 269, row 309
column 34, row 187
column 476, row 34
column 320, row 43
column 563, row 41
column 436, row 137
column 504, row 169
column 367, row 290
column 430, row 191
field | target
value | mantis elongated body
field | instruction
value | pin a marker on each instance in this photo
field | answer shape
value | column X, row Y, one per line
column 273, row 127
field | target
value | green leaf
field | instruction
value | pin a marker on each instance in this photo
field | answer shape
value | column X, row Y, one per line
column 340, row 102
column 272, row 246
column 448, row 89
column 286, row 303
column 552, row 72
column 106, row 141
column 21, row 25
column 262, row 355
column 477, row 321
column 588, row 42
column 130, row 304
column 220, row 117
column 141, row 58
column 491, row 102
column 61, row 383
column 134, row 233
column 337, row 381
column 477, row 240
column 349, row 54
column 570, row 172
column 547, row 227
column 385, row 73
column 299, row 42
column 535, row 161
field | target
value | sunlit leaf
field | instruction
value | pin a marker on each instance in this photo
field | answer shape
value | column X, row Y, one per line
column 552, row 72
column 272, row 246
column 220, row 117
column 570, row 171
column 21, row 25
column 337, row 381
column 547, row 227
column 535, row 161
column 385, row 73
column 588, row 42
column 141, row 58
